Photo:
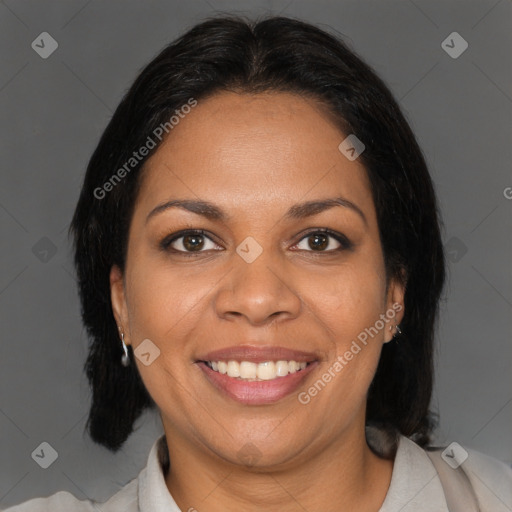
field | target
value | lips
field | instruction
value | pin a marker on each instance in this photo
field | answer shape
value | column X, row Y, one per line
column 257, row 391
column 258, row 354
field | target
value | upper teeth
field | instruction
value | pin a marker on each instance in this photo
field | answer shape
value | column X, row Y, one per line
column 253, row 371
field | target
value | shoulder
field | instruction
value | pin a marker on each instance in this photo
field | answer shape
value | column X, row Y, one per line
column 490, row 478
column 125, row 499
column 60, row 501
column 140, row 493
column 416, row 484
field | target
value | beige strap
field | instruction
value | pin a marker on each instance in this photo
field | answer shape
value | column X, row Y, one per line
column 458, row 491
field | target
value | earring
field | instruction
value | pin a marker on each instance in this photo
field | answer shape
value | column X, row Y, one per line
column 398, row 331
column 125, row 358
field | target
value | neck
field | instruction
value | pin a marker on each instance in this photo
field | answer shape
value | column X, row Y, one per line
column 343, row 476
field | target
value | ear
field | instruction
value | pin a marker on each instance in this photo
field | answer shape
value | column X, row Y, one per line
column 118, row 299
column 394, row 304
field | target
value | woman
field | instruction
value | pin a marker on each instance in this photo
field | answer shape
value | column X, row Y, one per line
column 259, row 257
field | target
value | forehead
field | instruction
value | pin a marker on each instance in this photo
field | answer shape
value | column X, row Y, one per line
column 253, row 150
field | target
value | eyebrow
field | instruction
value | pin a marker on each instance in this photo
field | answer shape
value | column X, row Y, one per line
column 298, row 211
column 310, row 208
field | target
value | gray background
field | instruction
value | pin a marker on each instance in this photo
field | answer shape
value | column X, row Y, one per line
column 53, row 112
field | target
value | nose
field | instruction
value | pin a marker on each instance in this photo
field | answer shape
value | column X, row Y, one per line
column 260, row 292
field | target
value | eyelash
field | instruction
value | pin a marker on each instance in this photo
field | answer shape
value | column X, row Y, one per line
column 345, row 243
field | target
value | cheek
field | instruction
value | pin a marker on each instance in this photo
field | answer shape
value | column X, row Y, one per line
column 163, row 305
column 161, row 299
column 351, row 311
column 351, row 298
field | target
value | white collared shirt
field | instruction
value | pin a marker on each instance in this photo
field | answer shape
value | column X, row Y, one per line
column 415, row 486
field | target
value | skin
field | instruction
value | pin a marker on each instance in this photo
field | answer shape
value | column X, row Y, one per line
column 255, row 156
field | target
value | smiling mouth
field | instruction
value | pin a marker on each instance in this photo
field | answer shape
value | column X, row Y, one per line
column 254, row 372
column 257, row 375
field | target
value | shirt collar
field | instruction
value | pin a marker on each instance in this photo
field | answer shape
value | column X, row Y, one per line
column 415, row 484
column 154, row 496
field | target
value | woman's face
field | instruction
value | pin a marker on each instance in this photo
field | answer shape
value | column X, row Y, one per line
column 261, row 283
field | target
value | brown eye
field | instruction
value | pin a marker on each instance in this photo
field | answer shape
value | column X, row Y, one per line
column 193, row 242
column 324, row 241
column 188, row 242
column 318, row 242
